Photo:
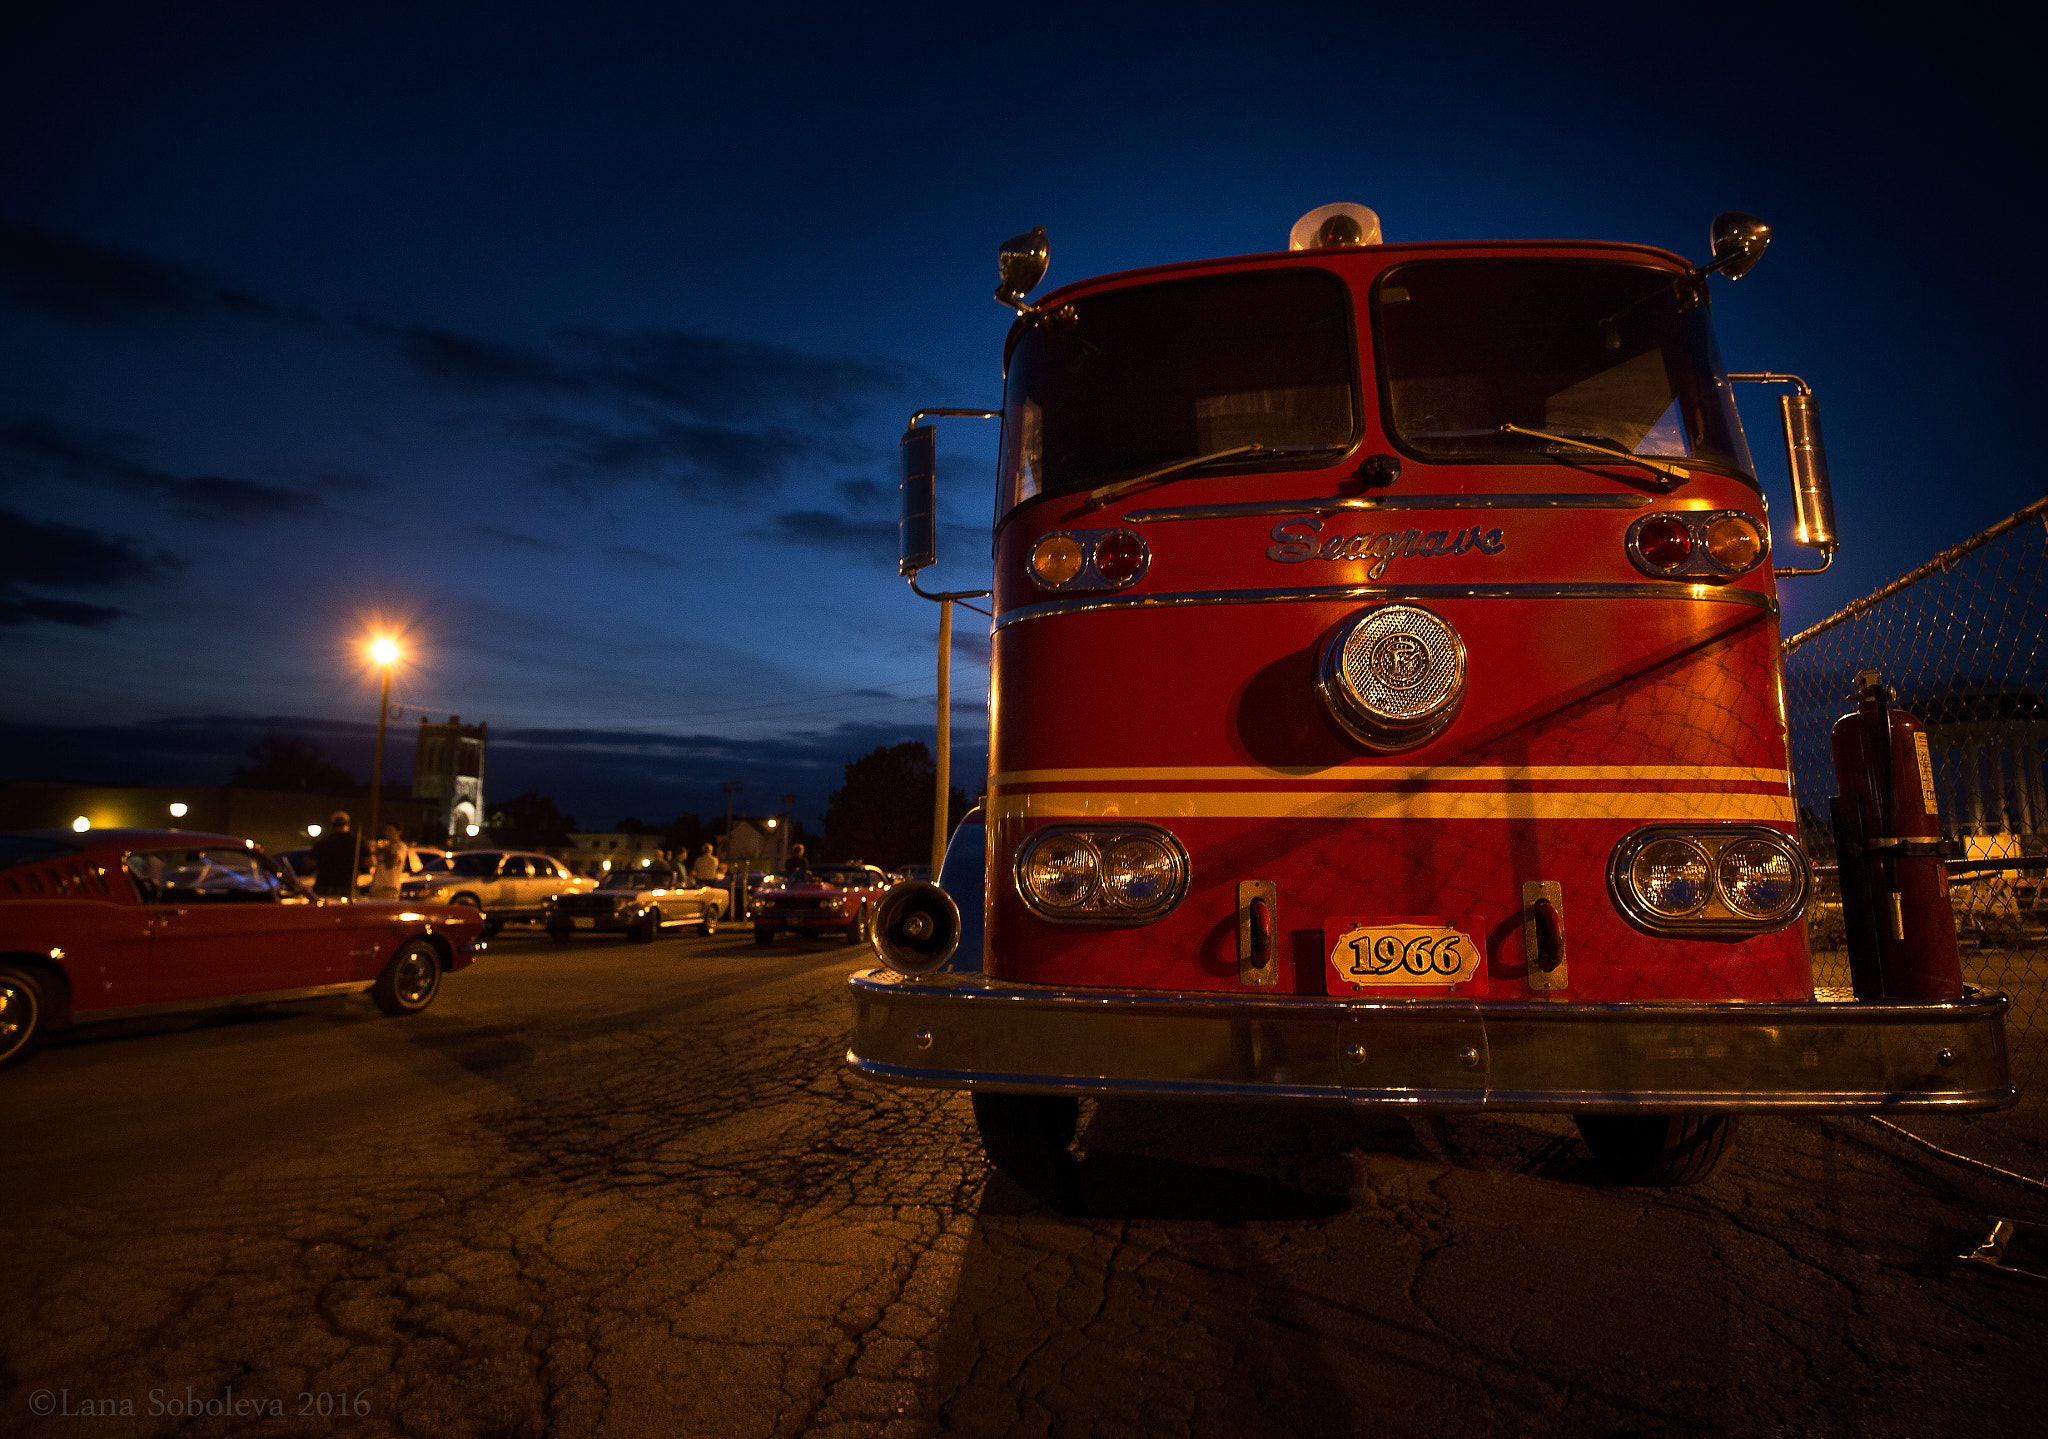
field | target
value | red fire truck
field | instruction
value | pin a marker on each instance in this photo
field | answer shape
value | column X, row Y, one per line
column 1387, row 710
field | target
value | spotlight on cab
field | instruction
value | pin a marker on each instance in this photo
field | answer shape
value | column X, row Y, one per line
column 916, row 928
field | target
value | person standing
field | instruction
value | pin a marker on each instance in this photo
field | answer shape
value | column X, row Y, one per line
column 387, row 864
column 706, row 870
column 334, row 858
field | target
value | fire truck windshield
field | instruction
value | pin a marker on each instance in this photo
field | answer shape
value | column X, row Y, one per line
column 1113, row 386
column 1620, row 356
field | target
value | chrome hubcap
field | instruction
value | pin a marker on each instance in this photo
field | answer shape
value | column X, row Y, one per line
column 415, row 978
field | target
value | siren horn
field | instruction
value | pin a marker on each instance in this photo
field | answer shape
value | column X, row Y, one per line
column 916, row 928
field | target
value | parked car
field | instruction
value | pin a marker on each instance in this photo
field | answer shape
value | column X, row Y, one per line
column 505, row 885
column 638, row 903
column 824, row 899
column 123, row 922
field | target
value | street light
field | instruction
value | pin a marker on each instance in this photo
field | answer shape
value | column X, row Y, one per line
column 383, row 650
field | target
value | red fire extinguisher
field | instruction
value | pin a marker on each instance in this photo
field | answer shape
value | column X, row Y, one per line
column 1888, row 842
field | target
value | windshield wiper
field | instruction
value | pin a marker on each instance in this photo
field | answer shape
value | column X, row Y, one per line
column 1103, row 494
column 1670, row 472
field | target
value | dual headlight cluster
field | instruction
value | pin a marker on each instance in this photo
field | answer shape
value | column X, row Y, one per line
column 1101, row 874
column 1734, row 879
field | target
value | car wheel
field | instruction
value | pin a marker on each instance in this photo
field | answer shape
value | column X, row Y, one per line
column 645, row 931
column 24, row 1015
column 1027, row 1137
column 858, row 930
column 1657, row 1151
column 561, row 933
column 410, row 981
column 707, row 920
column 763, row 936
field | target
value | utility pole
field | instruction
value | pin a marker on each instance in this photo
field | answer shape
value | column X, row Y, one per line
column 735, row 879
column 788, row 819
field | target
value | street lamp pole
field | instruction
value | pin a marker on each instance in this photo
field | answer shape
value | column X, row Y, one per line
column 385, row 653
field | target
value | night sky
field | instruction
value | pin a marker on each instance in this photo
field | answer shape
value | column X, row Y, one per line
column 576, row 341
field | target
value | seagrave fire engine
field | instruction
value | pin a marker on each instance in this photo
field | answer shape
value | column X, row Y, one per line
column 1387, row 710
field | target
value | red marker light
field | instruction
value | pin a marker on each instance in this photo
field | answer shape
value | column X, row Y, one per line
column 1120, row 557
column 1665, row 542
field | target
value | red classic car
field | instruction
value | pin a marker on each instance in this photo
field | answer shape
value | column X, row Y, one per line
column 124, row 922
column 824, row 899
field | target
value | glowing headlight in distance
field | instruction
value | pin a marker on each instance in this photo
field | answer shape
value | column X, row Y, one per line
column 1059, row 872
column 1733, row 542
column 1757, row 879
column 1670, row 878
column 1140, row 872
column 1055, row 560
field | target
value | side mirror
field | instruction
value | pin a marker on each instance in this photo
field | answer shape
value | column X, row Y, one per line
column 1813, row 504
column 917, row 532
column 1021, row 264
column 1739, row 241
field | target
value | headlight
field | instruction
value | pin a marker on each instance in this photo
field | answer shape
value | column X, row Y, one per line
column 1669, row 876
column 1393, row 677
column 1059, row 872
column 1139, row 872
column 1758, row 880
column 1708, row 879
column 1088, row 874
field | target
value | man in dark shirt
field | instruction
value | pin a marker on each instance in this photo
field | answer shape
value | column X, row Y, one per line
column 334, row 858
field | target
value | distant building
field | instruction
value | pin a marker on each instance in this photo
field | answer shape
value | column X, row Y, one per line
column 277, row 819
column 448, row 773
column 596, row 853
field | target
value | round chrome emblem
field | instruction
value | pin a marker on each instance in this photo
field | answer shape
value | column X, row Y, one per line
column 1393, row 676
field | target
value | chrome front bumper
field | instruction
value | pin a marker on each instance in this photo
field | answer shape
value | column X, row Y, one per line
column 964, row 1031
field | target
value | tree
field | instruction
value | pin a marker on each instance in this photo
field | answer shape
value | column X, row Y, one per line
column 530, row 821
column 883, row 812
column 290, row 761
column 683, row 834
column 633, row 826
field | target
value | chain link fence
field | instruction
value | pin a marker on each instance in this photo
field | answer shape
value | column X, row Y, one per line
column 1963, row 640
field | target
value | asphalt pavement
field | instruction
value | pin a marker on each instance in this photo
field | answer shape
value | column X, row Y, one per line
column 629, row 1189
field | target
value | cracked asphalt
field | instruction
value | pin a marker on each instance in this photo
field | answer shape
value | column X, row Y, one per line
column 629, row 1189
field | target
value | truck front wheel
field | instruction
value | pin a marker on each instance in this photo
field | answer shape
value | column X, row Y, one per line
column 1027, row 1137
column 1657, row 1150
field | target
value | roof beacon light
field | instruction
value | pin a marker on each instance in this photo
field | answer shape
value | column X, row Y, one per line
column 1330, row 226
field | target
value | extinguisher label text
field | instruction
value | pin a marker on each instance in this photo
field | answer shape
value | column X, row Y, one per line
column 1926, row 769
column 1299, row 540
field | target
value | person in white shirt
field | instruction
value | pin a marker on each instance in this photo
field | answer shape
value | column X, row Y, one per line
column 387, row 864
column 707, row 869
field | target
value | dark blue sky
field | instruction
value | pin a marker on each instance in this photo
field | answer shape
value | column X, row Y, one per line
column 578, row 339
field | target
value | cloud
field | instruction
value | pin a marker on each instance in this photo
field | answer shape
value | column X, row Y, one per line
column 41, row 447
column 870, row 538
column 824, row 530
column 633, row 554
column 526, row 542
column 18, row 607
column 68, row 557
column 57, row 556
column 861, row 494
column 81, row 281
column 714, row 377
